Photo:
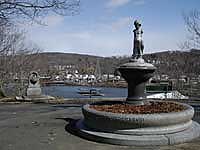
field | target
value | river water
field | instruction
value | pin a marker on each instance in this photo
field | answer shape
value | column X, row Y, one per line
column 71, row 91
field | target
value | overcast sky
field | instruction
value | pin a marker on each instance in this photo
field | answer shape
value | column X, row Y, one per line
column 104, row 27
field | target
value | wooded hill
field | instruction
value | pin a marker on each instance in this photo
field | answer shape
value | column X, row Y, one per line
column 172, row 63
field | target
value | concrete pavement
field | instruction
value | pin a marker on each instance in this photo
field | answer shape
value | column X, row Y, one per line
column 42, row 127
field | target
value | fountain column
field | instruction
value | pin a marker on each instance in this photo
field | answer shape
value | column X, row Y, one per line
column 137, row 72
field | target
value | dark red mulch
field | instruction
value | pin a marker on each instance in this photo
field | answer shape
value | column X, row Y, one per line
column 151, row 108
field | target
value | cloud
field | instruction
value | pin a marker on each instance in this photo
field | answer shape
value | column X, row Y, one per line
column 119, row 3
column 116, row 3
column 101, row 39
column 83, row 35
column 120, row 23
column 53, row 20
column 139, row 2
column 50, row 21
column 96, row 42
column 85, row 42
column 106, row 38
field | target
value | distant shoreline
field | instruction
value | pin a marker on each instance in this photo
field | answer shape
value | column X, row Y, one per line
column 102, row 84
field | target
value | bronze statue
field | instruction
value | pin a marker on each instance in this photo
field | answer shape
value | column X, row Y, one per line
column 138, row 45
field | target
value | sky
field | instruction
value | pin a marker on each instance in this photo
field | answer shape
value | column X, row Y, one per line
column 104, row 27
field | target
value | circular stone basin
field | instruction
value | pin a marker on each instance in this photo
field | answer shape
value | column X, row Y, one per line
column 156, row 117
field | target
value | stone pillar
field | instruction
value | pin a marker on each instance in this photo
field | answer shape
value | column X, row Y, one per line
column 136, row 74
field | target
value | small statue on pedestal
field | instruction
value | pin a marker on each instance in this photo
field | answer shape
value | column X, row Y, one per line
column 34, row 88
column 138, row 45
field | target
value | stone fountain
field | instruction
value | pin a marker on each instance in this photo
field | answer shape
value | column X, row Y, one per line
column 138, row 121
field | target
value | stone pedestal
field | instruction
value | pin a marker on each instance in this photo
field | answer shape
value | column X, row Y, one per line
column 34, row 92
column 136, row 73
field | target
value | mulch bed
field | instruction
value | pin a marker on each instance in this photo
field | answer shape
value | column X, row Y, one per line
column 151, row 108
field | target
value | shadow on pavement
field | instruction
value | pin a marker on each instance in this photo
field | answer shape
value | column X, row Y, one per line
column 71, row 125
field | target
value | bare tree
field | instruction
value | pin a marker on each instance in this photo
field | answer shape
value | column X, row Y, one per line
column 32, row 9
column 16, row 60
column 192, row 21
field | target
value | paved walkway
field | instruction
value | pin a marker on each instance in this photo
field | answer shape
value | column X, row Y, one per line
column 42, row 127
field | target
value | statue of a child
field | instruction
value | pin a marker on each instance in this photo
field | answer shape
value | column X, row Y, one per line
column 138, row 45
